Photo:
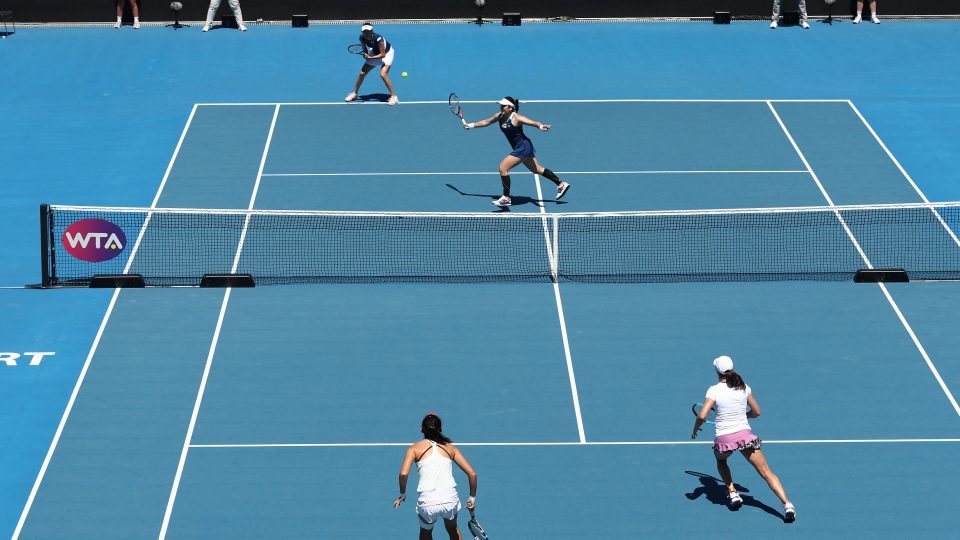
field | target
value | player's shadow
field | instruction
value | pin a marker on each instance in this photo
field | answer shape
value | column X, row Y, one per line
column 373, row 97
column 518, row 200
column 716, row 492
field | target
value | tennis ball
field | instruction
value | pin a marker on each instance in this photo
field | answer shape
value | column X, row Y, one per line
column 404, row 74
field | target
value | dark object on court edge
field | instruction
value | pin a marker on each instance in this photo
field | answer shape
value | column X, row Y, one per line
column 226, row 280
column 480, row 4
column 7, row 15
column 790, row 18
column 175, row 7
column 300, row 21
column 829, row 19
column 117, row 281
column 721, row 17
column 888, row 275
column 511, row 19
column 229, row 21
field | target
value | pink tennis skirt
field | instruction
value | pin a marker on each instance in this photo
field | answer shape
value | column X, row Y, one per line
column 741, row 440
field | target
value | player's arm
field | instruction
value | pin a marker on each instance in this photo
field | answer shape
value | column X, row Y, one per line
column 483, row 123
column 754, row 410
column 465, row 466
column 701, row 416
column 539, row 125
column 404, row 474
column 381, row 45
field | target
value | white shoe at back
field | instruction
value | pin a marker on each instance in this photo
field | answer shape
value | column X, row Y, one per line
column 350, row 97
column 503, row 201
column 789, row 513
column 773, row 24
column 393, row 100
column 857, row 19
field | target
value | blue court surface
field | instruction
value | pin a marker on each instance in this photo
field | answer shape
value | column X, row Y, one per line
column 284, row 411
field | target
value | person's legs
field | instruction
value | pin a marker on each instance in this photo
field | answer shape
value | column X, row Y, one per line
column 363, row 73
column 452, row 529
column 873, row 12
column 238, row 13
column 802, row 4
column 776, row 10
column 759, row 462
column 211, row 13
column 425, row 534
column 384, row 70
column 724, row 470
column 136, row 9
column 508, row 163
column 857, row 19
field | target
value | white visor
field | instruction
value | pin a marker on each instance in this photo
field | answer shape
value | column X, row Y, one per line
column 366, row 27
column 505, row 101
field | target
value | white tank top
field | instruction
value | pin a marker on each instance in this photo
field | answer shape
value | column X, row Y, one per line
column 436, row 471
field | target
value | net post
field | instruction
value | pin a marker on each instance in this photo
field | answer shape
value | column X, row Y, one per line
column 555, row 263
column 45, row 278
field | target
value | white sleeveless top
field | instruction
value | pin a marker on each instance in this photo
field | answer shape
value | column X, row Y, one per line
column 436, row 476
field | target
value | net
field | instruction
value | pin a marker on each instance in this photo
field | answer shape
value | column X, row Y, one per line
column 178, row 246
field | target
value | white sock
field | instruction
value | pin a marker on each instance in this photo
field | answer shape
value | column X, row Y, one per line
column 858, row 14
column 136, row 20
column 119, row 19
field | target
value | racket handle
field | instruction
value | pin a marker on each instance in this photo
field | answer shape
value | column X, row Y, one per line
column 464, row 121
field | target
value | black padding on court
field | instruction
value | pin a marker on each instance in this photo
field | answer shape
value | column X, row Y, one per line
column 117, row 281
column 889, row 275
column 226, row 280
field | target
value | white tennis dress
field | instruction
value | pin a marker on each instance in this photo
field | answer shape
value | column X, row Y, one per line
column 438, row 491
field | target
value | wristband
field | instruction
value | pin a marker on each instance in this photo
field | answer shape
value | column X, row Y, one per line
column 471, row 499
column 471, row 125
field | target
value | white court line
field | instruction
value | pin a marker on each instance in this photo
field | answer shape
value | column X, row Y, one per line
column 570, row 443
column 466, row 173
column 551, row 253
column 96, row 342
column 213, row 344
column 492, row 101
column 886, row 293
column 904, row 172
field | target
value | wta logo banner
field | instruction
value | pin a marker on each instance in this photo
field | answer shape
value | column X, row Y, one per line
column 94, row 240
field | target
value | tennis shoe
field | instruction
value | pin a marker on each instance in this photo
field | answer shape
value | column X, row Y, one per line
column 136, row 25
column 351, row 96
column 789, row 513
column 242, row 28
column 734, row 500
column 874, row 19
column 857, row 19
column 393, row 100
column 116, row 24
column 562, row 189
column 206, row 28
column 773, row 24
column 503, row 201
column 805, row 24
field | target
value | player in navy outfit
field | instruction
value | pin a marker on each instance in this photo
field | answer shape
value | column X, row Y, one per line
column 376, row 52
column 511, row 124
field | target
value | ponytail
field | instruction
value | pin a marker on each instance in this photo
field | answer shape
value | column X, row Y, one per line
column 734, row 380
column 432, row 429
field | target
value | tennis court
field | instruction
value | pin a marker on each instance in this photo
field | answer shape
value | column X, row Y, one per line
column 283, row 411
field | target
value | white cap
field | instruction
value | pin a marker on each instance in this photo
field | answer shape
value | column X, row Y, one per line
column 505, row 101
column 722, row 364
column 366, row 27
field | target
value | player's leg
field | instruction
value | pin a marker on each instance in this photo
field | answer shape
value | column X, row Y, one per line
column 211, row 13
column 426, row 528
column 136, row 14
column 534, row 165
column 384, row 74
column 238, row 13
column 723, row 468
column 451, row 526
column 759, row 462
column 364, row 69
column 508, row 163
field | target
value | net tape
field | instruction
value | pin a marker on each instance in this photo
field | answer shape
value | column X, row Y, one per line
column 178, row 246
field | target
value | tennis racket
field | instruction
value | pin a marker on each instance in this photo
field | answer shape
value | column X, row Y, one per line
column 696, row 410
column 454, row 103
column 356, row 48
column 475, row 529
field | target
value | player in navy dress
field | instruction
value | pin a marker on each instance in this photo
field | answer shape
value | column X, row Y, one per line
column 511, row 124
column 376, row 52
